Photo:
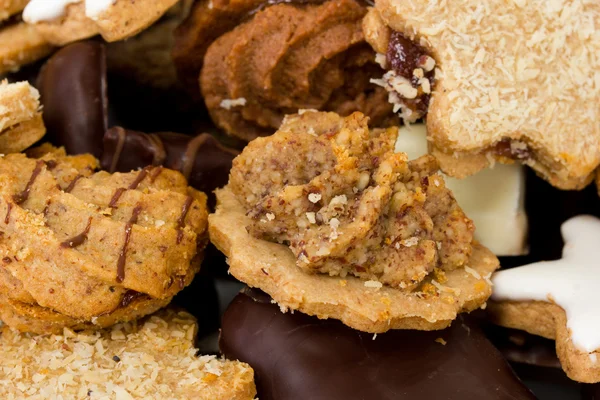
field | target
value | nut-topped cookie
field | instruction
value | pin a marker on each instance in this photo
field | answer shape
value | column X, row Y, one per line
column 513, row 81
column 327, row 219
column 86, row 249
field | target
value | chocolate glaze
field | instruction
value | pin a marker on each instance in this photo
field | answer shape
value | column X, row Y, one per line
column 202, row 159
column 296, row 356
column 79, row 239
column 139, row 178
column 523, row 348
column 123, row 253
column 72, row 86
column 590, row 391
column 24, row 195
column 181, row 220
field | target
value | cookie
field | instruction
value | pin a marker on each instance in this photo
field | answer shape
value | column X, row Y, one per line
column 20, row 44
column 21, row 122
column 254, row 69
column 72, row 85
column 203, row 161
column 79, row 245
column 64, row 22
column 326, row 219
column 555, row 299
column 492, row 87
column 9, row 8
column 152, row 358
column 296, row 357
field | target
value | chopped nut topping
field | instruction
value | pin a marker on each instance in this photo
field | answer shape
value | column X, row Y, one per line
column 395, row 230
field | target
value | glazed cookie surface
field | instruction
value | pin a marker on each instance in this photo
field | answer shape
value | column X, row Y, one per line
column 513, row 81
column 556, row 299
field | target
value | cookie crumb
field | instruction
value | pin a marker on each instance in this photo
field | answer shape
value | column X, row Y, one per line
column 441, row 341
column 314, row 197
column 373, row 284
column 229, row 103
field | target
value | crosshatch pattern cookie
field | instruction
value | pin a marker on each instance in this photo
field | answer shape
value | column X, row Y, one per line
column 65, row 21
column 558, row 299
column 152, row 358
column 366, row 237
column 85, row 249
column 254, row 69
column 508, row 80
column 21, row 122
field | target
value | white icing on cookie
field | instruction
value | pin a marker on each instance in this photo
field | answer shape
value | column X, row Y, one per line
column 48, row 10
column 572, row 282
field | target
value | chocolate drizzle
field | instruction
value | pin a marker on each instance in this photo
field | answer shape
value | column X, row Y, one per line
column 181, row 220
column 123, row 253
column 73, row 183
column 155, row 173
column 24, row 195
column 9, row 207
column 78, row 239
column 115, row 198
column 130, row 296
column 139, row 178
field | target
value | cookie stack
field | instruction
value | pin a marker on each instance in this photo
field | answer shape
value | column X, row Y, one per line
column 389, row 200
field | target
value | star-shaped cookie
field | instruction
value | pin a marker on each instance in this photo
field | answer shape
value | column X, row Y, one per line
column 514, row 80
column 558, row 299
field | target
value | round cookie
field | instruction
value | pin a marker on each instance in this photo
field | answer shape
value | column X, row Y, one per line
column 295, row 356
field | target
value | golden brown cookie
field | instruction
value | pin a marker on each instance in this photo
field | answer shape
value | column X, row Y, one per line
column 9, row 8
column 331, row 222
column 254, row 68
column 81, row 245
column 152, row 358
column 62, row 23
column 521, row 88
column 21, row 122
column 558, row 299
column 20, row 44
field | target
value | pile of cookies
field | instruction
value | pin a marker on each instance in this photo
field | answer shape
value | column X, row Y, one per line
column 399, row 192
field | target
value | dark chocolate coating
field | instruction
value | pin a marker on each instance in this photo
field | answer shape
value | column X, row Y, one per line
column 590, row 391
column 522, row 347
column 201, row 159
column 296, row 356
column 72, row 86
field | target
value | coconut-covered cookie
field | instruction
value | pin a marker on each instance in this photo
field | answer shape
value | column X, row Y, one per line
column 254, row 68
column 558, row 299
column 86, row 250
column 497, row 81
column 21, row 123
column 327, row 219
column 152, row 358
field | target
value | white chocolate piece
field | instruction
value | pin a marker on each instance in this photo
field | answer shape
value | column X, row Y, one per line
column 492, row 198
column 571, row 282
column 48, row 10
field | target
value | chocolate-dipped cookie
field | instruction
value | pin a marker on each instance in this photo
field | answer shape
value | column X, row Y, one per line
column 72, row 85
column 296, row 356
column 202, row 159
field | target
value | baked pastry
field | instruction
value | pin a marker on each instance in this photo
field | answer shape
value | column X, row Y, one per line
column 203, row 161
column 72, row 85
column 298, row 357
column 557, row 299
column 21, row 122
column 86, row 250
column 152, row 358
column 63, row 22
column 497, row 88
column 326, row 219
column 254, row 69
column 20, row 44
